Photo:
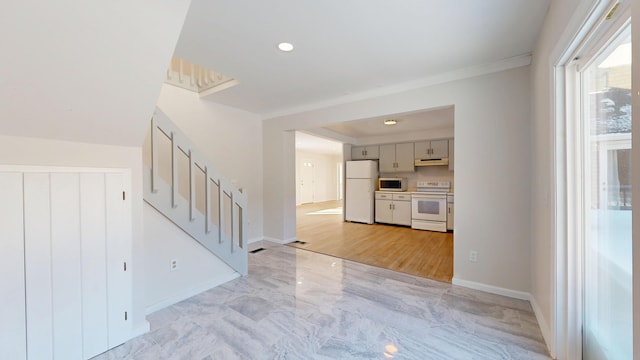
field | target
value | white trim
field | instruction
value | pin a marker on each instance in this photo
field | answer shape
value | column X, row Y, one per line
column 60, row 169
column 190, row 293
column 564, row 296
column 459, row 74
column 278, row 241
column 141, row 330
column 492, row 289
column 542, row 323
column 254, row 240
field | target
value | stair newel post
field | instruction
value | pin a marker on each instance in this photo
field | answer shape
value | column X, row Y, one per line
column 221, row 216
column 174, row 170
column 243, row 219
column 192, row 187
column 207, row 201
column 154, row 156
column 233, row 218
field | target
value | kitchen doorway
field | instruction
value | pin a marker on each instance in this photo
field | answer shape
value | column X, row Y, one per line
column 320, row 228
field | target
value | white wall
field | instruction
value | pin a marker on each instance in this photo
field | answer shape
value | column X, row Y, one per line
column 325, row 175
column 492, row 134
column 32, row 151
column 85, row 71
column 230, row 138
column 198, row 269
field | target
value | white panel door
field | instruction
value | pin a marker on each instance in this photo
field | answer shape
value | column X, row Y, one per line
column 94, row 264
column 12, row 291
column 120, row 283
column 306, row 181
column 66, row 266
column 65, row 290
column 37, row 240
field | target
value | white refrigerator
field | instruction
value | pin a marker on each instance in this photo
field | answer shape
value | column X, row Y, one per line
column 361, row 185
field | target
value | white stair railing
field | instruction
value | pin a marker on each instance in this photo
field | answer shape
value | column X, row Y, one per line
column 206, row 206
column 197, row 78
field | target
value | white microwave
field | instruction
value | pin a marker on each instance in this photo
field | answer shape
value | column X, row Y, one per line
column 392, row 184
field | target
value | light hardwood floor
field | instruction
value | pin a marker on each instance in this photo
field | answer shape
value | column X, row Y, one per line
column 422, row 253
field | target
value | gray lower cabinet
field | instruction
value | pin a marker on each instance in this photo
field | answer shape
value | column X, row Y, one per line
column 393, row 208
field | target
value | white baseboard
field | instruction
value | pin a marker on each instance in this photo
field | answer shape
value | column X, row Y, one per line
column 254, row 240
column 492, row 289
column 142, row 329
column 544, row 326
column 191, row 292
column 279, row 241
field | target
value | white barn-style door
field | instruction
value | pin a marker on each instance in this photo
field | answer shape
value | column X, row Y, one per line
column 66, row 239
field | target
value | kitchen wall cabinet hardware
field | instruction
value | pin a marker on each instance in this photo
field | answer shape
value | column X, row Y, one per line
column 393, row 208
column 396, row 158
column 434, row 149
column 370, row 152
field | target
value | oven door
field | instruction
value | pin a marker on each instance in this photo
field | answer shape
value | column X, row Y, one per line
column 429, row 207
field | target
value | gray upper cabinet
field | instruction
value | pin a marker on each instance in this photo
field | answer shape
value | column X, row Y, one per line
column 365, row 152
column 396, row 158
column 434, row 149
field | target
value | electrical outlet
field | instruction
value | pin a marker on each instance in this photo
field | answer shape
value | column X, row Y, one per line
column 473, row 256
column 174, row 265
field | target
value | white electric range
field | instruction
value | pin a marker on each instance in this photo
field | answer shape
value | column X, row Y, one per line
column 429, row 205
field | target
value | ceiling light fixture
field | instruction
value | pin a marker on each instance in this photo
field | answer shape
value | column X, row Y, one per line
column 285, row 46
column 390, row 122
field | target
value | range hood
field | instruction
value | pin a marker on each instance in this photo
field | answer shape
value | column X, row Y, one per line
column 432, row 162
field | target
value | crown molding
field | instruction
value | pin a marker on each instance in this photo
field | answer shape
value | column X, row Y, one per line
column 464, row 73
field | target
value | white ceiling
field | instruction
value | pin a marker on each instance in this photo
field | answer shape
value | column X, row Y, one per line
column 318, row 145
column 405, row 123
column 347, row 47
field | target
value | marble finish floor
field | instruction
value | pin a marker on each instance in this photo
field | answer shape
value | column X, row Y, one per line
column 297, row 304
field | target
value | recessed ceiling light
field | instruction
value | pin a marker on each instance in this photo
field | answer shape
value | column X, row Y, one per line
column 285, row 46
column 390, row 122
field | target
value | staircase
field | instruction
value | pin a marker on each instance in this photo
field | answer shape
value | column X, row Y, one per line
column 181, row 184
column 197, row 78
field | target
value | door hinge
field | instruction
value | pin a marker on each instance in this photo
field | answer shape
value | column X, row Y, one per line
column 123, row 196
column 126, row 316
column 125, row 266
